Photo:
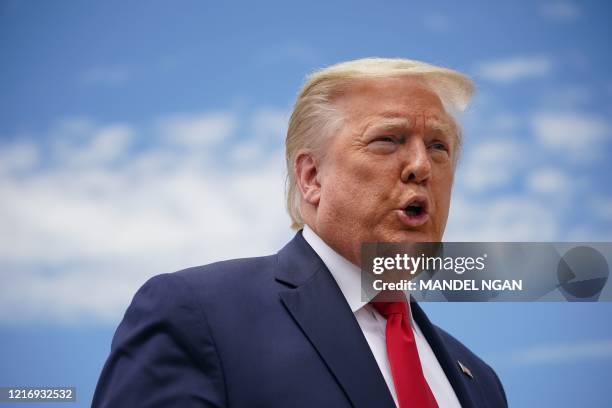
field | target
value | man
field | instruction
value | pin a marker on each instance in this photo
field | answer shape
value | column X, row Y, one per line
column 371, row 151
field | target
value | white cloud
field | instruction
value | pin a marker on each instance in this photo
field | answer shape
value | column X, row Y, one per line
column 513, row 69
column 266, row 128
column 94, row 146
column 549, row 181
column 502, row 218
column 197, row 131
column 270, row 123
column 247, row 152
column 560, row 11
column 481, row 207
column 18, row 156
column 80, row 235
column 491, row 164
column 564, row 352
column 573, row 134
column 477, row 179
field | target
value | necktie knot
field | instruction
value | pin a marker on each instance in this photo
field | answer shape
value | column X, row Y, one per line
column 387, row 309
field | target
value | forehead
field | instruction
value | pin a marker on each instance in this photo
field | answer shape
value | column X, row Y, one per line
column 391, row 98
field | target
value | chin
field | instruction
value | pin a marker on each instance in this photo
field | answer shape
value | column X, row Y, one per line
column 400, row 234
column 416, row 236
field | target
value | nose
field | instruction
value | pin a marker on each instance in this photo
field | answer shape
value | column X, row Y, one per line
column 417, row 166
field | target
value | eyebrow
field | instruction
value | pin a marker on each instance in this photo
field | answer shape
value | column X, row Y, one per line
column 446, row 128
column 389, row 124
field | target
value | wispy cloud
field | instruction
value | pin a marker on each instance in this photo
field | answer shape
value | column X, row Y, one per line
column 516, row 68
column 510, row 186
column 112, row 204
column 550, row 181
column 492, row 164
column 199, row 131
column 562, row 11
column 102, row 145
column 579, row 136
column 564, row 352
column 504, row 217
column 270, row 121
column 19, row 156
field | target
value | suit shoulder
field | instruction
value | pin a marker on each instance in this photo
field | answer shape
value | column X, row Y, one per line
column 230, row 271
column 208, row 286
column 245, row 276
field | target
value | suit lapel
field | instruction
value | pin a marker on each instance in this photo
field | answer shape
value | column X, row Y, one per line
column 317, row 305
column 462, row 384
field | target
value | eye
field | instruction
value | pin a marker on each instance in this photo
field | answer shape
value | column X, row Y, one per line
column 439, row 146
column 385, row 139
column 384, row 144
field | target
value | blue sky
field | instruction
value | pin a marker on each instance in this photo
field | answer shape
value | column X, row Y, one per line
column 143, row 137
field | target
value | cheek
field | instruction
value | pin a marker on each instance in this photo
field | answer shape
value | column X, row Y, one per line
column 357, row 184
column 374, row 182
column 351, row 171
column 442, row 186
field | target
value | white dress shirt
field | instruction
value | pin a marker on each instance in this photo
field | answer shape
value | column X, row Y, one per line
column 373, row 325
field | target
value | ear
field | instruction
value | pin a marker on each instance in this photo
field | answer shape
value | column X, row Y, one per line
column 307, row 177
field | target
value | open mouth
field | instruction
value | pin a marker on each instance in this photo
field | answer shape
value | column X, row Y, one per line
column 415, row 209
column 415, row 213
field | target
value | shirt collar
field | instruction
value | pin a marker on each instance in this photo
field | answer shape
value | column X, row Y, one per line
column 346, row 274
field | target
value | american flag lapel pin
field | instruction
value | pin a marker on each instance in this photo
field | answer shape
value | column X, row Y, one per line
column 465, row 370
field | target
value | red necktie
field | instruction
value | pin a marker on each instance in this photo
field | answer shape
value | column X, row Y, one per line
column 410, row 386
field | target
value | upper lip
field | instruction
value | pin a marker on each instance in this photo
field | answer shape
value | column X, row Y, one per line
column 417, row 199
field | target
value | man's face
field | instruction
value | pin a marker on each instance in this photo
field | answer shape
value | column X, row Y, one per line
column 387, row 174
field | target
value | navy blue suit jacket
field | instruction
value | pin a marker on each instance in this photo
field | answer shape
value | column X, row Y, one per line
column 274, row 331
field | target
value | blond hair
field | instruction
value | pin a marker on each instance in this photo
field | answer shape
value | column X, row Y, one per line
column 315, row 117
